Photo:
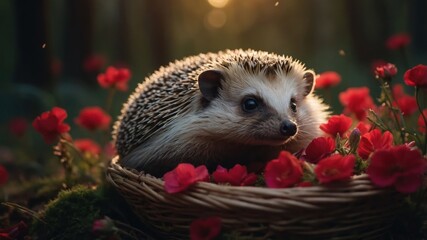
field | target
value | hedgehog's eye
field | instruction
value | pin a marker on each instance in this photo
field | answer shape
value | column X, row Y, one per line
column 249, row 104
column 293, row 105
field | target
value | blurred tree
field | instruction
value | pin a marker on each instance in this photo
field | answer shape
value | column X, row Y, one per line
column 123, row 53
column 32, row 47
column 158, row 20
column 368, row 27
column 418, row 24
column 78, row 37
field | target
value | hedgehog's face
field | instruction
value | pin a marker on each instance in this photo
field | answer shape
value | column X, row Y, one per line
column 254, row 108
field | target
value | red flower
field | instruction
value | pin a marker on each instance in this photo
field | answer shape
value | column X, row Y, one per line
column 18, row 126
column 94, row 63
column 363, row 127
column 183, row 176
column 93, row 118
column 357, row 101
column 115, row 78
column 337, row 124
column 377, row 63
column 4, row 175
column 328, row 79
column 407, row 104
column 283, row 172
column 416, row 76
column 398, row 91
column 319, row 148
column 386, row 71
column 398, row 41
column 372, row 141
column 86, row 145
column 335, row 168
column 236, row 176
column 51, row 124
column 397, row 166
column 205, row 228
column 421, row 123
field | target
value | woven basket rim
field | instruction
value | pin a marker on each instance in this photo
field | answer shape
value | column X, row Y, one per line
column 361, row 182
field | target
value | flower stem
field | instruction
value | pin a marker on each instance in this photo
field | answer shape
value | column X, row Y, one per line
column 377, row 121
column 389, row 103
column 110, row 98
column 417, row 89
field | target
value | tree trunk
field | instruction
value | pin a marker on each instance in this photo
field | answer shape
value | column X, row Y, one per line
column 77, row 37
column 123, row 53
column 32, row 48
column 157, row 19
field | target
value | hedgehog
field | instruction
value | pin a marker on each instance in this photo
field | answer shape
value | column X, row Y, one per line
column 225, row 108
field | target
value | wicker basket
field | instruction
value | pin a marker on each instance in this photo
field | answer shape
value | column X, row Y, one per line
column 351, row 210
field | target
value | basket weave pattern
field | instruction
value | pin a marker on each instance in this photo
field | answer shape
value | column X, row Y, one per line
column 351, row 210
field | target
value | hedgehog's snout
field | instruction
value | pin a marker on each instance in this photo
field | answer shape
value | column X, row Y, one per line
column 288, row 128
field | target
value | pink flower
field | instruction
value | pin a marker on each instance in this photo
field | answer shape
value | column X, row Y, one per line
column 51, row 124
column 397, row 166
column 183, row 176
column 319, row 148
column 103, row 226
column 205, row 228
column 283, row 172
column 416, row 76
column 115, row 78
column 398, row 41
column 87, row 145
column 357, row 101
column 337, row 124
column 386, row 71
column 236, row 176
column 328, row 79
column 18, row 126
column 93, row 118
column 335, row 168
column 372, row 141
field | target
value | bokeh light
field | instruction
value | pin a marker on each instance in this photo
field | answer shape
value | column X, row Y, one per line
column 216, row 18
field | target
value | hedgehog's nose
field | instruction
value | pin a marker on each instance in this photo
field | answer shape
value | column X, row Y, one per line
column 288, row 128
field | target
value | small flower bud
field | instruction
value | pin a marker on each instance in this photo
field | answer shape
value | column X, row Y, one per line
column 386, row 71
column 354, row 139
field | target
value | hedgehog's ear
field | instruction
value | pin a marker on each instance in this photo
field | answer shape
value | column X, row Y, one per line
column 309, row 80
column 209, row 83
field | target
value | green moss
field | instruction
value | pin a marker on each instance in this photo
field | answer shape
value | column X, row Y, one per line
column 70, row 215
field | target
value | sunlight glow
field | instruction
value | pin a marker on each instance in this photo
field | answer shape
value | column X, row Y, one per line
column 218, row 3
